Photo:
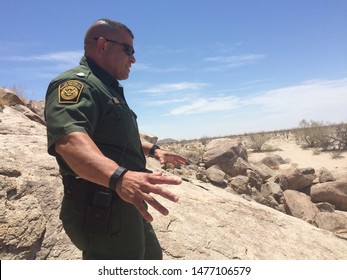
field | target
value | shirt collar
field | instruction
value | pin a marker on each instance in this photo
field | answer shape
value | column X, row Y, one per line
column 100, row 73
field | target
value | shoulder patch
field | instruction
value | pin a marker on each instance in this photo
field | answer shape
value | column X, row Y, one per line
column 69, row 92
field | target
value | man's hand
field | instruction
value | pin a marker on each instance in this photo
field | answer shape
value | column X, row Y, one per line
column 135, row 188
column 166, row 156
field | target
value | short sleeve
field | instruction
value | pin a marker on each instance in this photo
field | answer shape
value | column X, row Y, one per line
column 70, row 107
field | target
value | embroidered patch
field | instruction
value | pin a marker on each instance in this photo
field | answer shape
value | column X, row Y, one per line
column 69, row 92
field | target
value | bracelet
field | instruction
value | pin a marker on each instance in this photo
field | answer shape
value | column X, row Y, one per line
column 117, row 174
column 152, row 150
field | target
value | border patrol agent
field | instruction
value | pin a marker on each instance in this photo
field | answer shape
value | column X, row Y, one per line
column 94, row 136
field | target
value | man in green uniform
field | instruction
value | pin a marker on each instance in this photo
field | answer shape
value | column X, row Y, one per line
column 94, row 136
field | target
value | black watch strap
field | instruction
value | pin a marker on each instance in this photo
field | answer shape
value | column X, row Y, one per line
column 152, row 150
column 117, row 174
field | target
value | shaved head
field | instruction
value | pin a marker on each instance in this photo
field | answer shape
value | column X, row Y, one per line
column 109, row 44
column 102, row 28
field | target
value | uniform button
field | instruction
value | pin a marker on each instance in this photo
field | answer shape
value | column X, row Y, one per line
column 81, row 74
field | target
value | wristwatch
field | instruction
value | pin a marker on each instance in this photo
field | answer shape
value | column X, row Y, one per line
column 117, row 174
column 152, row 150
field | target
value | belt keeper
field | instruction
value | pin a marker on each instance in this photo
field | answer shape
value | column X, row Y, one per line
column 117, row 174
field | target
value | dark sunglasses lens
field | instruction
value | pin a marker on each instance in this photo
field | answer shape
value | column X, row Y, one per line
column 129, row 50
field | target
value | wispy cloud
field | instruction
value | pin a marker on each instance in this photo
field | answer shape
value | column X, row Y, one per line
column 308, row 96
column 148, row 68
column 233, row 61
column 319, row 98
column 204, row 105
column 175, row 87
column 67, row 56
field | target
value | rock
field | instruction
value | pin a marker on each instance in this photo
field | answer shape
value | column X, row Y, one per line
column 263, row 170
column 295, row 179
column 240, row 167
column 30, row 114
column 216, row 175
column 324, row 175
column 22, row 228
column 38, row 107
column 210, row 223
column 332, row 192
column 150, row 138
column 207, row 222
column 201, row 174
column 224, row 152
column 272, row 189
column 273, row 161
column 32, row 192
column 255, row 180
column 334, row 222
column 240, row 184
column 9, row 98
column 299, row 205
column 325, row 207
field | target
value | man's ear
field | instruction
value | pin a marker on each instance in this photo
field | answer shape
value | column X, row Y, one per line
column 101, row 45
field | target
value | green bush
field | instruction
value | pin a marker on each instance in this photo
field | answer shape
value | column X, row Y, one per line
column 257, row 141
column 313, row 134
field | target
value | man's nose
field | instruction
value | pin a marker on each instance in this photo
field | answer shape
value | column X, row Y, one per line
column 132, row 59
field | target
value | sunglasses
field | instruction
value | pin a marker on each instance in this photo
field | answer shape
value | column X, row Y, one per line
column 129, row 50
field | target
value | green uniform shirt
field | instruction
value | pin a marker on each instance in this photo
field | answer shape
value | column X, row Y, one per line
column 87, row 99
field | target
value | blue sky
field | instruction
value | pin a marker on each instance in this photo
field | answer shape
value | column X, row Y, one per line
column 204, row 68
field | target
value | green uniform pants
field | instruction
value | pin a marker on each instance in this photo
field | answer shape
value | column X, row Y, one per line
column 126, row 236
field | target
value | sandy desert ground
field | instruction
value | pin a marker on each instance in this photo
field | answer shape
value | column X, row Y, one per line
column 296, row 156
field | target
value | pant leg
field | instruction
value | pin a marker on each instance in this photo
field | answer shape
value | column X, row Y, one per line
column 153, row 250
column 125, row 239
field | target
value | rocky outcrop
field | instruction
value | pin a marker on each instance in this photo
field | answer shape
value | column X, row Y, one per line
column 220, row 225
column 207, row 223
column 30, row 193
column 290, row 191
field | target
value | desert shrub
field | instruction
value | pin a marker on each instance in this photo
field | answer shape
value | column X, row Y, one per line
column 313, row 134
column 257, row 141
column 340, row 138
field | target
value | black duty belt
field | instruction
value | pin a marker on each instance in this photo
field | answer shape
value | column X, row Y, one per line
column 83, row 191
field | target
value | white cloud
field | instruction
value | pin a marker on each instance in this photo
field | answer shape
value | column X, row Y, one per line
column 67, row 56
column 311, row 95
column 234, row 60
column 174, row 87
column 204, row 105
column 312, row 98
column 148, row 68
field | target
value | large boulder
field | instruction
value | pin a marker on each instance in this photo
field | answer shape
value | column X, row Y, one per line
column 334, row 222
column 240, row 184
column 225, row 152
column 299, row 205
column 9, row 98
column 273, row 161
column 296, row 179
column 324, row 175
column 216, row 175
column 332, row 192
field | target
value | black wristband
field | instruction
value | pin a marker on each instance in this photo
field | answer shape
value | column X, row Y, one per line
column 117, row 174
column 152, row 150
